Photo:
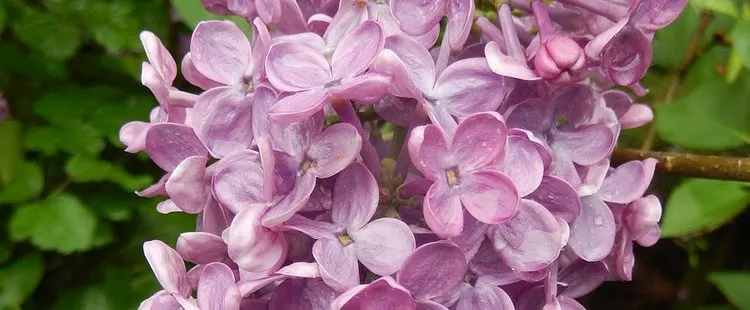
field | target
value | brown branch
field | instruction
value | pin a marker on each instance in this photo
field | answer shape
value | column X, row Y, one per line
column 702, row 166
column 676, row 76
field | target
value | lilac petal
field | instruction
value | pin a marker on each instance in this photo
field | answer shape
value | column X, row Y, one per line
column 418, row 61
column 417, row 187
column 656, row 14
column 366, row 88
column 133, row 136
column 650, row 238
column 506, row 65
column 201, row 247
column 269, row 10
column 337, row 263
column 417, row 17
column 355, row 197
column 167, row 206
column 627, row 57
column 429, row 305
column 471, row 237
column 592, row 234
column 294, row 294
column 383, row 258
column 568, row 303
column 479, row 140
column 159, row 301
column 153, row 81
column 291, row 202
column 625, row 184
column 433, row 269
column 642, row 215
column 264, row 98
column 298, row 106
column 469, row 86
column 253, row 247
column 402, row 80
column 348, row 17
column 217, row 289
column 187, row 186
column 156, row 189
column 399, row 111
column 489, row 196
column 159, row 57
column 220, row 51
column 296, row 67
column 524, row 165
column 239, row 184
column 485, row 296
column 442, row 211
column 334, row 149
column 318, row 23
column 558, row 197
column 214, row 218
column 530, row 241
column 168, row 144
column 383, row 293
column 460, row 18
column 312, row 228
column 586, row 146
column 222, row 119
column 428, row 151
column 167, row 266
column 593, row 177
column 301, row 270
column 638, row 115
column 361, row 47
column 532, row 114
column 293, row 21
column 195, row 77
column 488, row 267
column 295, row 138
column 581, row 278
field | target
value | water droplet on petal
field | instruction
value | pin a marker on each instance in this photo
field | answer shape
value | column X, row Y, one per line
column 598, row 221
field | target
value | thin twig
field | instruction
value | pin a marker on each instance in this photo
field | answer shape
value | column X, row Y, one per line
column 702, row 166
column 676, row 76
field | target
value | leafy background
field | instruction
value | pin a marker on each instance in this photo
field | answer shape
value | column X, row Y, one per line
column 71, row 228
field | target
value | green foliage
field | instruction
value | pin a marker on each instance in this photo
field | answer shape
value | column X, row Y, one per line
column 19, row 279
column 193, row 12
column 721, row 6
column 26, row 184
column 735, row 286
column 698, row 205
column 12, row 154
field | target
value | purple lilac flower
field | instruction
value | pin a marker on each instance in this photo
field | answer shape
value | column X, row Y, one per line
column 339, row 160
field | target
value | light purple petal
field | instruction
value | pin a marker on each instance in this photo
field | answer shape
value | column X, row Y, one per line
column 523, row 164
column 417, row 17
column 592, row 234
column 133, row 136
column 638, row 115
column 642, row 216
column 295, row 294
column 625, row 184
column 485, row 296
column 239, row 184
column 159, row 57
column 433, row 270
column 334, row 149
column 383, row 258
column 292, row 202
column 530, row 241
column 167, row 266
column 295, row 138
column 479, row 140
column 355, row 197
column 418, row 61
column 359, row 50
column 269, row 10
column 220, row 51
column 222, row 119
column 186, row 186
column 314, row 229
column 301, row 270
column 337, row 263
column 442, row 211
column 298, row 106
column 428, row 151
column 214, row 218
column 402, row 84
column 469, row 86
column 168, row 144
column 471, row 237
column 558, row 197
column 296, row 67
column 368, row 88
column 506, row 65
column 383, row 293
column 429, row 305
column 587, row 145
column 581, row 277
column 253, row 247
column 489, row 196
column 460, row 18
column 657, row 14
column 488, row 267
column 193, row 76
column 201, row 247
column 217, row 289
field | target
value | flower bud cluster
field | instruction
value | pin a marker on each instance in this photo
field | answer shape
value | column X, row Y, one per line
column 491, row 189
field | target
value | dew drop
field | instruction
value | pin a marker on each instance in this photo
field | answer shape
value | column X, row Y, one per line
column 484, row 143
column 598, row 221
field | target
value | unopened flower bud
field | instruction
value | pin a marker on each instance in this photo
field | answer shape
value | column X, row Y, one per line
column 560, row 60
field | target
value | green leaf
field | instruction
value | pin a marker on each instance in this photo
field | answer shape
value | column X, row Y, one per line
column 720, row 6
column 26, row 185
column 734, row 67
column 740, row 37
column 86, row 169
column 697, row 205
column 3, row 18
column 734, row 285
column 74, row 139
column 103, row 235
column 47, row 34
column 61, row 223
column 20, row 279
column 114, row 25
column 675, row 37
column 6, row 250
column 193, row 12
column 12, row 154
column 114, row 206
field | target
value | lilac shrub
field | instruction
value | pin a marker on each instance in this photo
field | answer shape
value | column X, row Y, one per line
column 492, row 189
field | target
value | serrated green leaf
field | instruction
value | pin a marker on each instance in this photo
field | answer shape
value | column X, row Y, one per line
column 86, row 169
column 720, row 6
column 735, row 285
column 47, row 34
column 74, row 139
column 193, row 12
column 12, row 154
column 19, row 279
column 61, row 223
column 27, row 184
column 697, row 205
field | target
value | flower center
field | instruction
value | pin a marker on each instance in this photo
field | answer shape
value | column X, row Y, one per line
column 470, row 278
column 307, row 165
column 452, row 176
column 345, row 239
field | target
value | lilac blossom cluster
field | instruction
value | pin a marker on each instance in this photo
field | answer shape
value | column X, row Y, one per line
column 494, row 190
